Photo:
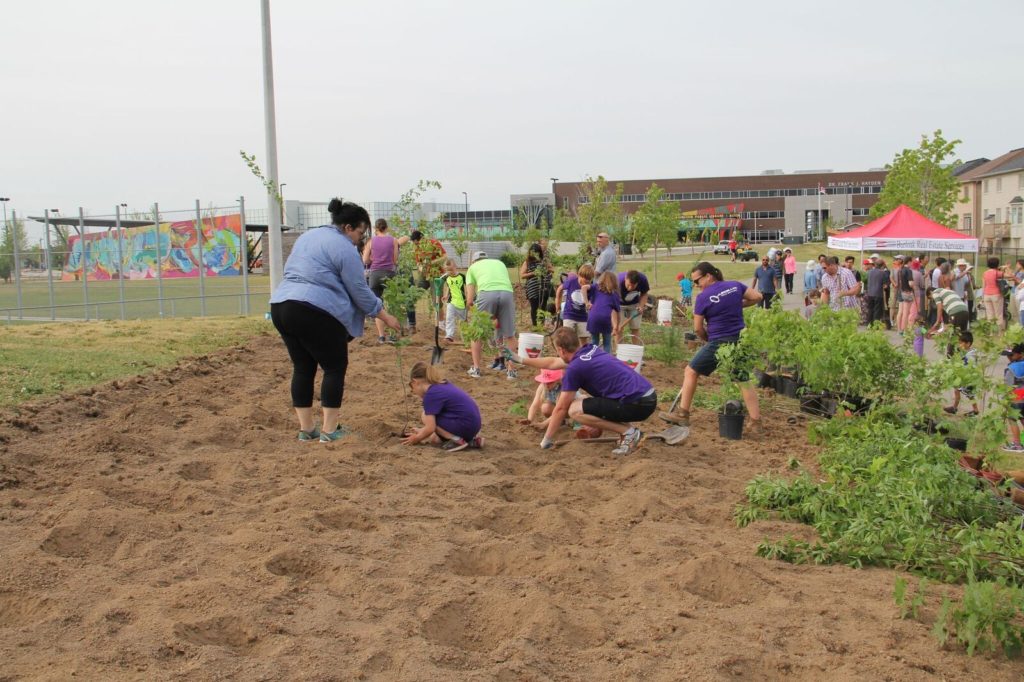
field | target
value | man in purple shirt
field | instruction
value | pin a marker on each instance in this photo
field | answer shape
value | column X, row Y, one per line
column 617, row 394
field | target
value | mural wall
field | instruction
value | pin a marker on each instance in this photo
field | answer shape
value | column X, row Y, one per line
column 178, row 251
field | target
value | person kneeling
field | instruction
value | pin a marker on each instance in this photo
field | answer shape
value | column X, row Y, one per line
column 451, row 418
column 618, row 395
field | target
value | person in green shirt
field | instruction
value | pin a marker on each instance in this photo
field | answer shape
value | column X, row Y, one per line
column 488, row 287
column 453, row 293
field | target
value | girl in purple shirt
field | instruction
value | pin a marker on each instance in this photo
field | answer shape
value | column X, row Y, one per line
column 450, row 416
column 603, row 317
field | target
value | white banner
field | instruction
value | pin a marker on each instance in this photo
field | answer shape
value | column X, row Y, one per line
column 875, row 244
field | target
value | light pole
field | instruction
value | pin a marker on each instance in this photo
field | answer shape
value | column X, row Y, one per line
column 465, row 216
column 14, row 237
column 270, row 132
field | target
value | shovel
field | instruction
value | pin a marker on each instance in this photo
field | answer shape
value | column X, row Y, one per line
column 672, row 435
column 437, row 353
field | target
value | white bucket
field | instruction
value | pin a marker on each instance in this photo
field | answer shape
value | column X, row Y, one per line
column 665, row 312
column 531, row 345
column 631, row 354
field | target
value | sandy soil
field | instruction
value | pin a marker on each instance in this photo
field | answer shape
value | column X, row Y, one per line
column 171, row 526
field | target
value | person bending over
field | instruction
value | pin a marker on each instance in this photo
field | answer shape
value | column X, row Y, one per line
column 451, row 418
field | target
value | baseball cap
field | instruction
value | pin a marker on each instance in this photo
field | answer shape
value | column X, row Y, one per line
column 478, row 255
column 900, row 258
column 867, row 261
column 875, row 256
column 547, row 376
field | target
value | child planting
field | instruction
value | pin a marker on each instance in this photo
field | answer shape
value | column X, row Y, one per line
column 574, row 292
column 454, row 296
column 451, row 418
column 544, row 398
column 603, row 317
column 685, row 291
column 966, row 344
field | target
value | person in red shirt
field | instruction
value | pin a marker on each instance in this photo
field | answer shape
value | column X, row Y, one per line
column 732, row 249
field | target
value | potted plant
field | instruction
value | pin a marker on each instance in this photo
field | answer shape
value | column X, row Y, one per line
column 734, row 363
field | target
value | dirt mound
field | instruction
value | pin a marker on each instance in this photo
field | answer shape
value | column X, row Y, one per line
column 173, row 526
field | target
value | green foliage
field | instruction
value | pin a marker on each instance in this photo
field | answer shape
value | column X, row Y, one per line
column 987, row 619
column 909, row 605
column 478, row 327
column 13, row 230
column 601, row 210
column 923, row 179
column 272, row 188
column 668, row 347
column 518, row 408
column 656, row 222
column 512, row 259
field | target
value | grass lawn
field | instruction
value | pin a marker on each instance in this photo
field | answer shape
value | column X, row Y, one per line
column 43, row 359
column 224, row 297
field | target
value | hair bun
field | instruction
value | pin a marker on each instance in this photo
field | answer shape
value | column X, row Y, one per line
column 334, row 206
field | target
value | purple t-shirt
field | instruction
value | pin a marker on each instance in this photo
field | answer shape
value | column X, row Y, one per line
column 576, row 305
column 633, row 297
column 603, row 375
column 721, row 304
column 600, row 319
column 453, row 409
column 382, row 252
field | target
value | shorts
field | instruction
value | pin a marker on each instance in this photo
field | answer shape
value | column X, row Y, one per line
column 906, row 297
column 686, row 301
column 620, row 412
column 377, row 280
column 705, row 360
column 501, row 306
column 579, row 327
column 627, row 313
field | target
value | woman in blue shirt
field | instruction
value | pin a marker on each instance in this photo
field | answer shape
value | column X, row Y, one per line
column 319, row 307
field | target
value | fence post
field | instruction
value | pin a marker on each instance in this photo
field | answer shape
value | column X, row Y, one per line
column 49, row 265
column 120, row 259
column 85, row 262
column 245, row 256
column 159, row 260
column 202, row 263
column 12, row 229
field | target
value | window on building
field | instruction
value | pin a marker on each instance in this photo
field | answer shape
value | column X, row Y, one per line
column 1016, row 214
column 1020, row 181
column 985, row 189
column 999, row 184
column 999, row 215
column 967, row 193
column 967, row 222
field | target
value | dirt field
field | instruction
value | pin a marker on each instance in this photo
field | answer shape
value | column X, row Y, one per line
column 172, row 527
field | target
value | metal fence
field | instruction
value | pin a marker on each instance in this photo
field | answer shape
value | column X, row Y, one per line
column 129, row 265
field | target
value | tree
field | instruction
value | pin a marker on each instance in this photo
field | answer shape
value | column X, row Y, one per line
column 598, row 209
column 655, row 223
column 923, row 179
column 13, row 230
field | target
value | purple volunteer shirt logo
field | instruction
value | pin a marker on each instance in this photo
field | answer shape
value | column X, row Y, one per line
column 716, row 298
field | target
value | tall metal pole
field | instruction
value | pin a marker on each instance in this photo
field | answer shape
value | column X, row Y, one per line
column 49, row 262
column 12, row 229
column 270, row 125
column 85, row 260
column 244, row 256
column 202, row 263
column 159, row 260
column 120, row 259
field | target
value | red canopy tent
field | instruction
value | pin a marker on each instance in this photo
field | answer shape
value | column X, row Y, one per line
column 904, row 229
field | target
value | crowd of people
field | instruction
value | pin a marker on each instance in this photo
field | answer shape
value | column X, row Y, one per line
column 333, row 281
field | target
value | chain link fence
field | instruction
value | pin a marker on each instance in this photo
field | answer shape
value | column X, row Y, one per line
column 193, row 262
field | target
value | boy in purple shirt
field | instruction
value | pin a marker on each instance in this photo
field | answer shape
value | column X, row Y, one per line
column 449, row 413
column 718, row 319
column 618, row 395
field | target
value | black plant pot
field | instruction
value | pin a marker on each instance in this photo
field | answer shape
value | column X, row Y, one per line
column 765, row 380
column 730, row 426
column 959, row 444
column 789, row 386
column 779, row 384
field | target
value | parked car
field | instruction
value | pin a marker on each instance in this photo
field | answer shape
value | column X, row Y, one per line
column 721, row 249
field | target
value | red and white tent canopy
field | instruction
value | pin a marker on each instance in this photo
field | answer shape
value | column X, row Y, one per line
column 904, row 230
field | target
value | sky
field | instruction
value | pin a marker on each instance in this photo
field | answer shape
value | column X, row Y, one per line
column 113, row 101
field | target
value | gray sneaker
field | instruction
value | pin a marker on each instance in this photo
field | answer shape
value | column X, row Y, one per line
column 511, row 374
column 474, row 372
column 630, row 441
column 311, row 435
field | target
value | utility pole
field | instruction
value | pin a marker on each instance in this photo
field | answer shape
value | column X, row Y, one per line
column 270, row 131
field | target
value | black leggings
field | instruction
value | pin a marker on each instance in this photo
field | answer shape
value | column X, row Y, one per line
column 313, row 338
column 534, row 306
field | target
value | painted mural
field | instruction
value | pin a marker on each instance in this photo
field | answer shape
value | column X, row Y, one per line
column 178, row 250
column 723, row 221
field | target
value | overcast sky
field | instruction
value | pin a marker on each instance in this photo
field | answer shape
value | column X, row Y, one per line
column 126, row 101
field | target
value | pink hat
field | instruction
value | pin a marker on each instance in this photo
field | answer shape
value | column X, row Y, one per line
column 548, row 376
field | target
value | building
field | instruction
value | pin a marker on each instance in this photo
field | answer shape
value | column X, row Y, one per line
column 993, row 199
column 771, row 205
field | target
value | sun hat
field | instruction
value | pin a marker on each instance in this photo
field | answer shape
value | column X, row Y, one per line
column 901, row 258
column 961, row 261
column 875, row 256
column 478, row 255
column 811, row 264
column 548, row 376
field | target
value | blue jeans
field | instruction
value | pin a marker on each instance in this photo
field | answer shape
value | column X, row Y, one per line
column 603, row 339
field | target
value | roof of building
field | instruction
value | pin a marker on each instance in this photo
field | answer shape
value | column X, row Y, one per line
column 1010, row 161
column 968, row 166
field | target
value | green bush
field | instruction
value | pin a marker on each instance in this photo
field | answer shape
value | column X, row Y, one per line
column 512, row 259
